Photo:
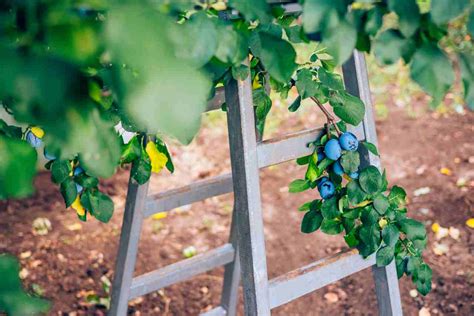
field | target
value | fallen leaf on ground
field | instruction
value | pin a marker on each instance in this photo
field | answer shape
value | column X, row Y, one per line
column 421, row 191
column 41, row 226
column 24, row 273
column 424, row 312
column 74, row 227
column 25, row 255
column 461, row 182
column 189, row 252
column 446, row 171
column 440, row 231
column 440, row 249
column 160, row 215
column 331, row 297
column 454, row 233
column 470, row 223
column 413, row 293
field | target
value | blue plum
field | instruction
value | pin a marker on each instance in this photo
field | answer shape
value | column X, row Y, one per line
column 332, row 149
column 48, row 156
column 337, row 168
column 348, row 141
column 78, row 171
column 354, row 175
column 321, row 156
column 79, row 188
column 326, row 189
column 33, row 140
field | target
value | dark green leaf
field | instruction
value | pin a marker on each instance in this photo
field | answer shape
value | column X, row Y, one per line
column 232, row 46
column 466, row 63
column 162, row 148
column 311, row 222
column 381, row 203
column 141, row 169
column 86, row 181
column 423, row 282
column 436, row 81
column 370, row 180
column 340, row 39
column 68, row 191
column 240, row 72
column 384, row 256
column 303, row 160
column 295, row 105
column 252, row 10
column 277, row 55
column 348, row 108
column 331, row 226
column 374, row 20
column 298, row 185
column 408, row 15
column 355, row 193
column 60, row 170
column 397, row 196
column 390, row 46
column 412, row 228
column 262, row 102
column 330, row 80
column 330, row 208
column 98, row 204
column 370, row 240
column 390, row 235
column 401, row 266
column 17, row 168
column 370, row 147
column 369, row 216
column 305, row 84
column 351, row 239
column 350, row 161
column 131, row 151
column 442, row 11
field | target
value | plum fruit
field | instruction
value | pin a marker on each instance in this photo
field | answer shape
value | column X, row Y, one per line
column 332, row 149
column 348, row 141
column 33, row 140
column 326, row 189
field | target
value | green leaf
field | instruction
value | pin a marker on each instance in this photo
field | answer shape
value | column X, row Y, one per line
column 68, row 191
column 131, row 151
column 408, row 15
column 277, row 55
column 401, row 265
column 350, row 161
column 374, row 20
column 442, row 11
column 295, row 105
column 232, row 47
column 311, row 222
column 318, row 13
column 98, row 204
column 240, row 72
column 330, row 209
column 252, row 10
column 13, row 299
column 330, row 80
column 312, row 172
column 348, row 108
column 298, row 185
column 331, row 226
column 381, row 203
column 355, row 193
column 370, row 180
column 340, row 40
column 147, row 87
column 86, row 181
column 141, row 168
column 262, row 102
column 162, row 148
column 17, row 168
column 351, row 239
column 390, row 235
column 195, row 40
column 305, row 207
column 390, row 46
column 466, row 63
column 424, row 276
column 369, row 216
column 305, row 84
column 397, row 196
column 384, row 256
column 60, row 170
column 370, row 147
column 470, row 23
column 436, row 81
column 413, row 229
column 370, row 240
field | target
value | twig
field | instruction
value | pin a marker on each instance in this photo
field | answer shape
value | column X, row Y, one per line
column 329, row 117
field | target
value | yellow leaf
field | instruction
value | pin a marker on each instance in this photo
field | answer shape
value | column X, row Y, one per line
column 470, row 223
column 38, row 132
column 446, row 171
column 81, row 211
column 435, row 227
column 345, row 176
column 363, row 203
column 256, row 84
column 383, row 222
column 158, row 159
column 160, row 215
column 219, row 6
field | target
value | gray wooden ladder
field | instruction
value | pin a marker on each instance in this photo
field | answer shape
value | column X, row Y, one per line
column 244, row 255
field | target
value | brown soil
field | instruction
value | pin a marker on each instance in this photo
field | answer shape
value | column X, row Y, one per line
column 68, row 263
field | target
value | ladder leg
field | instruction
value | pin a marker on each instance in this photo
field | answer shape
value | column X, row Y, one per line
column 245, row 173
column 357, row 83
column 230, row 290
column 128, row 247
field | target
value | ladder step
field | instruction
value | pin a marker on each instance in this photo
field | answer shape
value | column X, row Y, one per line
column 316, row 275
column 188, row 194
column 181, row 271
column 281, row 149
column 270, row 152
column 218, row 311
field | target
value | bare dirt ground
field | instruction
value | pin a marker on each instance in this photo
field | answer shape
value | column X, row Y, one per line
column 67, row 264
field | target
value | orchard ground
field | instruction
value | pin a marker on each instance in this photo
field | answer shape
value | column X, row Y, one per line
column 68, row 264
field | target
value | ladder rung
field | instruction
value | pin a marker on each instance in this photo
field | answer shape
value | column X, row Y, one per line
column 188, row 194
column 289, row 147
column 270, row 152
column 180, row 271
column 304, row 280
column 218, row 311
